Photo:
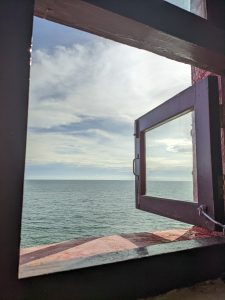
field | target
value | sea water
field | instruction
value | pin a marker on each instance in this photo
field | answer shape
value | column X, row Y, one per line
column 58, row 210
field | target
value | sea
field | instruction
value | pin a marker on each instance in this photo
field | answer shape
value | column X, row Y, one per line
column 59, row 210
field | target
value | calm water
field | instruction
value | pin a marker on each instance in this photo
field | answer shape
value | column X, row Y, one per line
column 54, row 211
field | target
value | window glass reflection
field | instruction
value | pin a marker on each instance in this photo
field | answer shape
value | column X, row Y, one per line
column 197, row 7
column 185, row 4
column 169, row 159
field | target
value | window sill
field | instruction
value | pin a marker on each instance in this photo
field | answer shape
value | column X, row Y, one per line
column 90, row 252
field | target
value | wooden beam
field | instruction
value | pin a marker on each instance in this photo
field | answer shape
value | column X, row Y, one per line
column 155, row 25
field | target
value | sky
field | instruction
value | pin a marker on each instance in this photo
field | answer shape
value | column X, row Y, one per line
column 85, row 93
column 169, row 150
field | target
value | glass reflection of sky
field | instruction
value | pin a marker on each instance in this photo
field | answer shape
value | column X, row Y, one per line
column 169, row 154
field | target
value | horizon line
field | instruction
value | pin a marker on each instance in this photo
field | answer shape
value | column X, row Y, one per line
column 73, row 179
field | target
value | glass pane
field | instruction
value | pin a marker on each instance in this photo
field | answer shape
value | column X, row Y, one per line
column 169, row 159
column 185, row 4
column 197, row 7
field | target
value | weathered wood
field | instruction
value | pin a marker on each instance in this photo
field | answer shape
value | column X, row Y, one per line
column 155, row 25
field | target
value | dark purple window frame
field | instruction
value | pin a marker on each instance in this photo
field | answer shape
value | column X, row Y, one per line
column 203, row 99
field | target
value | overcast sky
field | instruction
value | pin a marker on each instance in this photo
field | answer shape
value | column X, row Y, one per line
column 85, row 94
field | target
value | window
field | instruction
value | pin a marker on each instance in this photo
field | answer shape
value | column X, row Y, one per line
column 151, row 273
column 202, row 100
column 78, row 173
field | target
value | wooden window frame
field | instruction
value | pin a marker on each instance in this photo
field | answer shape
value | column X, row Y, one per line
column 130, row 22
column 150, row 25
column 203, row 99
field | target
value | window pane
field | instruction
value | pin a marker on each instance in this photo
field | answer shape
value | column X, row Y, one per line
column 185, row 4
column 197, row 7
column 169, row 159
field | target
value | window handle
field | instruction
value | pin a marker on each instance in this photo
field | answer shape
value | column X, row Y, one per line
column 134, row 167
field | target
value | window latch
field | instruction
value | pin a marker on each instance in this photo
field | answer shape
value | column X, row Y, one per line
column 202, row 209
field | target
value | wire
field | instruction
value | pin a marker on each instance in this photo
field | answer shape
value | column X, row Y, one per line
column 202, row 211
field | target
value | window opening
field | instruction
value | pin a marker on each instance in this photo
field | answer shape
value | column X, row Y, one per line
column 11, row 205
column 85, row 93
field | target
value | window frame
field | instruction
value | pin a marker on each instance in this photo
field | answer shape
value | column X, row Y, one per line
column 140, row 276
column 203, row 99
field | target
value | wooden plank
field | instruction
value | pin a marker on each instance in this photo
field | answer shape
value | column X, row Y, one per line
column 155, row 25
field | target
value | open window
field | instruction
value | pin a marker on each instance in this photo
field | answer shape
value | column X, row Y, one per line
column 155, row 26
column 197, row 106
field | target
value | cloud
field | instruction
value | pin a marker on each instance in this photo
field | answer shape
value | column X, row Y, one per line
column 175, row 144
column 100, row 149
column 85, row 97
column 185, row 148
column 104, row 79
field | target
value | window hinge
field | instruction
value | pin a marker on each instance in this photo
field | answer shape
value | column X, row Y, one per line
column 202, row 209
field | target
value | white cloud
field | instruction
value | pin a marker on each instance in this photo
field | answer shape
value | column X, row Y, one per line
column 102, row 79
column 80, row 151
column 176, row 145
column 108, row 79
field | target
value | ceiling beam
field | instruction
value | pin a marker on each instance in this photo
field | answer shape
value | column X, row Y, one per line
column 155, row 26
